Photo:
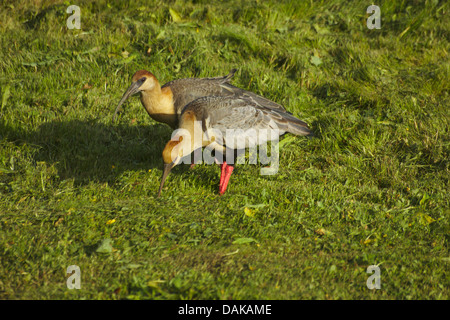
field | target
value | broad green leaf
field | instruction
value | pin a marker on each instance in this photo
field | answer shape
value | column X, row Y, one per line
column 243, row 240
column 5, row 96
column 175, row 15
column 105, row 246
column 315, row 60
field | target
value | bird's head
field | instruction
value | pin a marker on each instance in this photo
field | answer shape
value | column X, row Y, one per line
column 144, row 80
column 141, row 81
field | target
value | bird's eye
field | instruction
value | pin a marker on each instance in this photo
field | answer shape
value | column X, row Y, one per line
column 142, row 80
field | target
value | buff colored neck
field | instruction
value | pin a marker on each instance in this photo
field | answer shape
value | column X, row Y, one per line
column 159, row 105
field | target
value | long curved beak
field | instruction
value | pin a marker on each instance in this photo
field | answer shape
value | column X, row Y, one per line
column 167, row 168
column 134, row 88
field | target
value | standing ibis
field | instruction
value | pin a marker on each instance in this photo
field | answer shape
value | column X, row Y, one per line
column 226, row 124
column 164, row 104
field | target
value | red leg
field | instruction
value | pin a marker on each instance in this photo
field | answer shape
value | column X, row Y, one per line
column 223, row 168
column 226, row 179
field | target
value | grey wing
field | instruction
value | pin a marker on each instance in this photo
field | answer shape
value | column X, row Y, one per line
column 187, row 90
column 242, row 121
column 229, row 89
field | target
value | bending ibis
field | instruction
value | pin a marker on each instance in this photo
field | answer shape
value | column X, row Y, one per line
column 226, row 124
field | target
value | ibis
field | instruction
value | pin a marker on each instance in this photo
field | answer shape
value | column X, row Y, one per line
column 165, row 103
column 226, row 123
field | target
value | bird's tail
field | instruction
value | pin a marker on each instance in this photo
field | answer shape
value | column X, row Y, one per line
column 230, row 75
column 288, row 123
column 224, row 79
column 299, row 128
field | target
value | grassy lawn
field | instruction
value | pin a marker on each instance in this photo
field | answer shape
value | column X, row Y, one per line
column 371, row 188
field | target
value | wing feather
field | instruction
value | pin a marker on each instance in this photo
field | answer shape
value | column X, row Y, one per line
column 243, row 121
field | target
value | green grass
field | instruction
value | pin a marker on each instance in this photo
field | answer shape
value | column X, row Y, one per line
column 372, row 187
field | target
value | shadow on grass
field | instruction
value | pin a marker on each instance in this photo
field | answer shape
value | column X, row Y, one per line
column 86, row 150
